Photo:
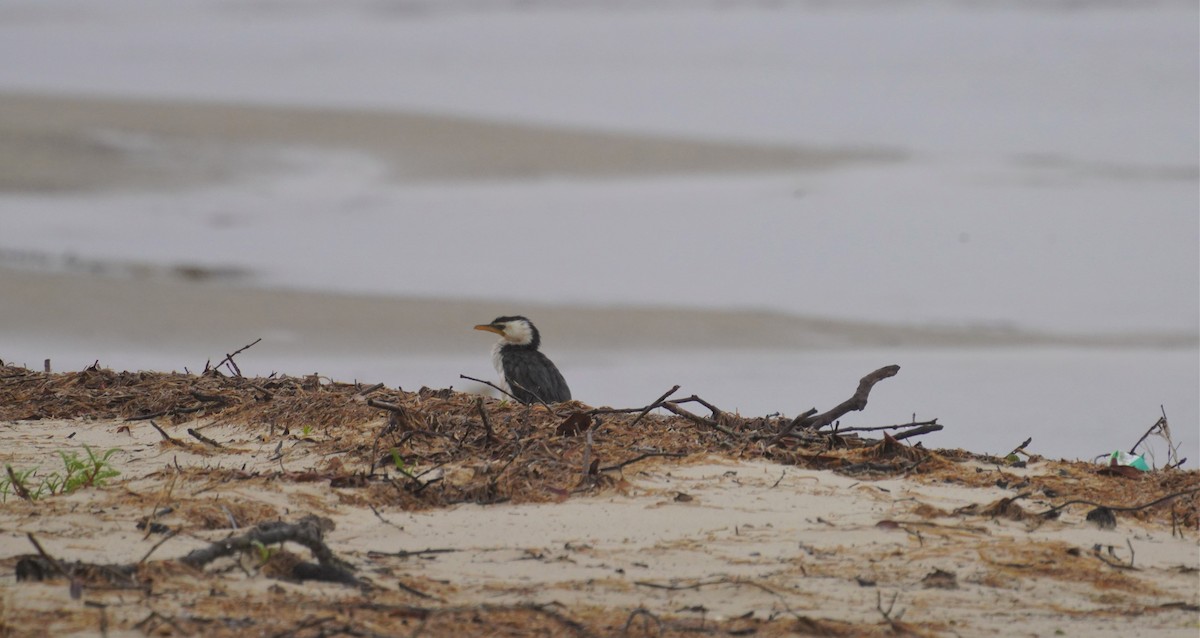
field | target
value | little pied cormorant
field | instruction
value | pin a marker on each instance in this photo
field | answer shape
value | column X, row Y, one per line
column 524, row 371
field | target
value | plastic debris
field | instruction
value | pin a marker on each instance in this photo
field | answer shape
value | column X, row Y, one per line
column 1130, row 460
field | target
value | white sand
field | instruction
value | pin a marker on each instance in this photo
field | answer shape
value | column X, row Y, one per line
column 747, row 537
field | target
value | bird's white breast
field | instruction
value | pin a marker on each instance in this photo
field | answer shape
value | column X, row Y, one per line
column 498, row 363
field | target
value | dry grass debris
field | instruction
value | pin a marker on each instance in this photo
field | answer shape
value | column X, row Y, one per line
column 433, row 448
column 392, row 450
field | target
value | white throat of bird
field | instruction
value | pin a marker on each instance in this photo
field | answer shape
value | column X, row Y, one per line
column 518, row 333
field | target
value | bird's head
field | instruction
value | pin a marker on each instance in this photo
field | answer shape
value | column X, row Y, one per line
column 515, row 330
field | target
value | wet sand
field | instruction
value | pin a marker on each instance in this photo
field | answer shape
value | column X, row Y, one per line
column 57, row 143
column 166, row 311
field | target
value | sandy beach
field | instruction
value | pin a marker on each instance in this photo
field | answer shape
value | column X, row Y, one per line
column 743, row 207
column 754, row 203
column 751, row 204
column 712, row 541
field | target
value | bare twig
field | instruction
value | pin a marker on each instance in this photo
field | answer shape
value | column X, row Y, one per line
column 1115, row 508
column 641, row 457
column 918, row 431
column 382, row 519
column 49, row 559
column 641, row 611
column 169, row 536
column 419, row 552
column 887, row 613
column 876, row 428
column 166, row 437
column 716, row 412
column 390, row 407
column 163, row 495
column 1114, row 561
column 586, row 477
column 779, row 480
column 857, row 401
column 487, row 422
column 203, row 439
column 1020, row 449
column 533, row 394
column 413, row 590
column 1158, row 425
column 695, row 418
column 675, row 587
column 491, row 385
column 657, row 403
column 18, row 487
column 229, row 358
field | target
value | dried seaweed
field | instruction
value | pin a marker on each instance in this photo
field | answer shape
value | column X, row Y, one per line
column 433, row 448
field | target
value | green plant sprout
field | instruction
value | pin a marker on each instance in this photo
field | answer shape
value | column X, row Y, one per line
column 401, row 466
column 92, row 471
column 264, row 552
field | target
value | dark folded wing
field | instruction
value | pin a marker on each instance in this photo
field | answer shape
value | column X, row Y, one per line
column 532, row 376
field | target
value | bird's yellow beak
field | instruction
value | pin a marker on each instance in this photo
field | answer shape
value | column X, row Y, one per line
column 487, row 327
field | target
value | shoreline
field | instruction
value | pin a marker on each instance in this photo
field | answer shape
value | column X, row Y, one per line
column 174, row 307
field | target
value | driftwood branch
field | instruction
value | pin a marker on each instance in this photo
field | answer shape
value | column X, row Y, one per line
column 1115, row 508
column 716, row 412
column 642, row 411
column 918, row 431
column 384, row 405
column 697, row 419
column 365, row 391
column 400, row 415
column 856, row 402
column 307, row 531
